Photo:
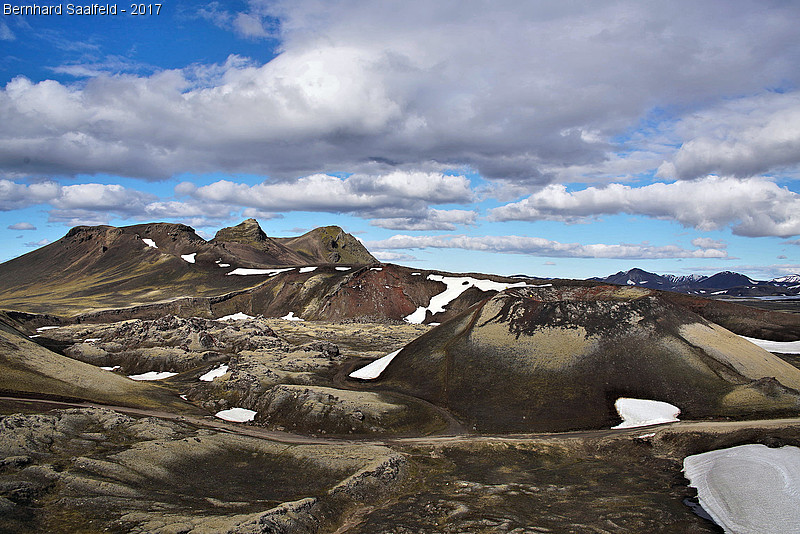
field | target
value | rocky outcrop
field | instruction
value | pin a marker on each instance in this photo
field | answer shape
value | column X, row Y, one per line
column 167, row 344
column 94, row 470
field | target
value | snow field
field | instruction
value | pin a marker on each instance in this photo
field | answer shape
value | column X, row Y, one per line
column 272, row 272
column 456, row 285
column 235, row 317
column 214, row 373
column 750, row 488
column 291, row 317
column 237, row 415
column 149, row 243
column 373, row 370
column 152, row 375
column 641, row 412
column 784, row 347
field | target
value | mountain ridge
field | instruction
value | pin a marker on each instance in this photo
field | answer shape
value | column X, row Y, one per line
column 722, row 283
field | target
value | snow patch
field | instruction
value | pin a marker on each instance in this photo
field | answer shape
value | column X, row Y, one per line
column 272, row 272
column 416, row 274
column 237, row 415
column 152, row 375
column 784, row 347
column 631, row 283
column 373, row 370
column 149, row 243
column 641, row 412
column 92, row 340
column 343, row 268
column 307, row 269
column 189, row 257
column 290, row 317
column 376, row 268
column 43, row 328
column 110, row 368
column 214, row 373
column 235, row 317
column 456, row 285
column 749, row 488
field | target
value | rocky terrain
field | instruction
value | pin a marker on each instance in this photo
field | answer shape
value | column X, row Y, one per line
column 153, row 381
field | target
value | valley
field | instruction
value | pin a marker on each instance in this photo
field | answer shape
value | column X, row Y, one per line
column 121, row 359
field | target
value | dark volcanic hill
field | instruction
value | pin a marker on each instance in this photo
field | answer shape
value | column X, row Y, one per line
column 557, row 358
column 95, row 267
column 329, row 244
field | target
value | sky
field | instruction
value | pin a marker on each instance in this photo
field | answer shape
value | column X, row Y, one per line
column 550, row 138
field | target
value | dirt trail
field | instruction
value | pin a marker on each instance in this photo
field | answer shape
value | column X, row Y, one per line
column 297, row 439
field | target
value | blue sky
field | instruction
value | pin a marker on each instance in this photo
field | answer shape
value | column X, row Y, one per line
column 547, row 138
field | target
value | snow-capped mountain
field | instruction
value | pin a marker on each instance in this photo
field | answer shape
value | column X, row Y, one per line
column 723, row 283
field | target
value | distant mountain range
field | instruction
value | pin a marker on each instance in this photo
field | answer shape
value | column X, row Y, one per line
column 726, row 283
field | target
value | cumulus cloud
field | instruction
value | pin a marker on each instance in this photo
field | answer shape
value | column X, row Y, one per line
column 393, row 200
column 22, row 226
column 537, row 246
column 519, row 92
column 751, row 207
column 37, row 244
column 431, row 219
column 741, row 137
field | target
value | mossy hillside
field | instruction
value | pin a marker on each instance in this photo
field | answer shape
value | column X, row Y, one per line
column 555, row 359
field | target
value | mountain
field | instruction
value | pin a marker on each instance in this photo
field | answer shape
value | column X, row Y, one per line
column 248, row 241
column 94, row 267
column 329, row 244
column 724, row 283
column 788, row 279
column 557, row 358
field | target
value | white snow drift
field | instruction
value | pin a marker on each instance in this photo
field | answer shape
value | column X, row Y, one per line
column 152, row 375
column 237, row 415
column 455, row 286
column 373, row 370
column 642, row 412
column 239, row 316
column 214, row 373
column 784, row 347
column 749, row 488
column 272, row 272
column 149, row 242
column 189, row 257
column 291, row 317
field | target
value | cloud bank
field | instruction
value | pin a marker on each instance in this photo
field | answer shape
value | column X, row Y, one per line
column 519, row 93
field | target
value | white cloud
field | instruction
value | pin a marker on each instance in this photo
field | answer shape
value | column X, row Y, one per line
column 383, row 255
column 537, row 246
column 707, row 242
column 22, row 226
column 5, row 32
column 526, row 92
column 37, row 244
column 431, row 219
column 741, row 138
column 752, row 207
column 398, row 196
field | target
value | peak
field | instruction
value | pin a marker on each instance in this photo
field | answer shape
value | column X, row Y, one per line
column 247, row 232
